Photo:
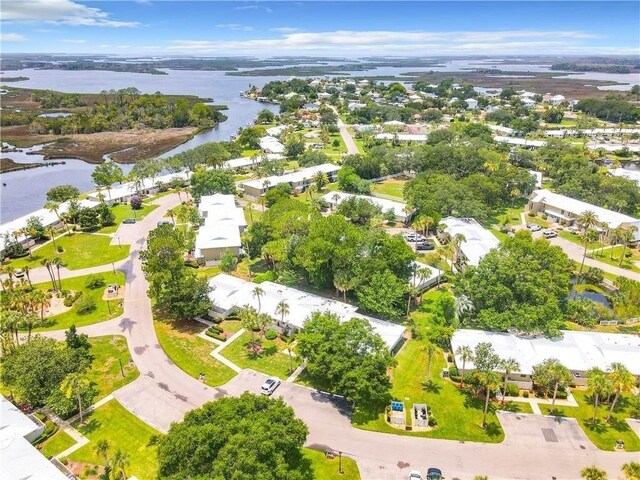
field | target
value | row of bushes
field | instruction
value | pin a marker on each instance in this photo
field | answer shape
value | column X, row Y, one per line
column 70, row 299
column 95, row 281
column 214, row 331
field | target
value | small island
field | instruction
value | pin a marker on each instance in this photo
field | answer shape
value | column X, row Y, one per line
column 13, row 79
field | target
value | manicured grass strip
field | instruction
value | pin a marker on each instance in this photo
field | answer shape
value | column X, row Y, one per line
column 81, row 250
column 123, row 211
column 459, row 413
column 602, row 434
column 271, row 360
column 124, row 431
column 325, row 469
column 99, row 314
column 392, row 187
column 56, row 444
column 105, row 369
column 190, row 353
column 628, row 262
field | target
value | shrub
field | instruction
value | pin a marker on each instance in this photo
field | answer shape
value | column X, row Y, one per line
column 433, row 422
column 191, row 263
column 271, row 334
column 217, row 336
column 214, row 329
column 136, row 202
column 59, row 248
column 561, row 395
column 453, row 371
column 449, row 357
column 544, row 216
column 69, row 300
column 95, row 281
column 268, row 276
column 218, row 320
column 85, row 304
column 525, row 394
column 512, row 390
column 531, row 214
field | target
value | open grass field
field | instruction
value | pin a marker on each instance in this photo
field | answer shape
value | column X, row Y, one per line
column 611, row 256
column 125, row 432
column 72, row 317
column 105, row 369
column 56, row 444
column 80, row 250
column 392, row 187
column 191, row 353
column 271, row 360
column 325, row 469
column 601, row 433
column 123, row 211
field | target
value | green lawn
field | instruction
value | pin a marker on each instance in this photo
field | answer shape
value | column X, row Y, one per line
column 602, row 434
column 208, row 272
column 56, row 444
column 577, row 239
column 99, row 314
column 511, row 215
column 270, row 361
column 124, row 431
column 629, row 262
column 105, row 370
column 498, row 234
column 392, row 187
column 325, row 469
column 123, row 211
column 191, row 353
column 81, row 250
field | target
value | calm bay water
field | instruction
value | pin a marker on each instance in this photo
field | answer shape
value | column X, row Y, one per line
column 24, row 191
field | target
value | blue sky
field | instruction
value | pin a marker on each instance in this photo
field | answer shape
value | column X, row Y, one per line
column 352, row 29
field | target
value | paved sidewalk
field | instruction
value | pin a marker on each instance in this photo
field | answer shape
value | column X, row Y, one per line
column 216, row 353
column 292, row 378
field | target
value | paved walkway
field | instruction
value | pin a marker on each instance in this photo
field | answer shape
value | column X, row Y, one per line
column 352, row 148
column 216, row 353
column 163, row 393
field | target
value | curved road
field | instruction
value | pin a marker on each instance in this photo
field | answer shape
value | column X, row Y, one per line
column 163, row 393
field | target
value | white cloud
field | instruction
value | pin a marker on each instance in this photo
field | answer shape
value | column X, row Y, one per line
column 65, row 12
column 254, row 7
column 235, row 27
column 12, row 37
column 415, row 42
column 285, row 29
column 72, row 40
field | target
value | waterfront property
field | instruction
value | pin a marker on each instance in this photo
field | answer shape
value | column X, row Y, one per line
column 566, row 210
column 299, row 180
column 20, row 459
column 124, row 191
column 224, row 222
column 578, row 351
column 399, row 209
column 231, row 293
column 476, row 240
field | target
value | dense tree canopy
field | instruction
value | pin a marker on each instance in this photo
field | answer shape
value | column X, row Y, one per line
column 522, row 284
column 208, row 182
column 235, row 438
column 350, row 357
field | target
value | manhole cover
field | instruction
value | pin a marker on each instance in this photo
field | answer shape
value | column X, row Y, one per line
column 549, row 435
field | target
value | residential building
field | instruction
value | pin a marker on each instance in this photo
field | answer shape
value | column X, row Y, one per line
column 626, row 173
column 566, row 210
column 324, row 96
column 231, row 293
column 472, row 103
column 422, row 283
column 557, row 99
column 476, row 243
column 356, row 105
column 402, row 137
column 148, row 186
column 576, row 350
column 269, row 144
column 250, row 162
column 398, row 208
column 19, row 459
column 224, row 222
column 299, row 180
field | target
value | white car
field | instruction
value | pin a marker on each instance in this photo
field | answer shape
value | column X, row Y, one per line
column 270, row 385
column 534, row 228
column 415, row 475
column 549, row 234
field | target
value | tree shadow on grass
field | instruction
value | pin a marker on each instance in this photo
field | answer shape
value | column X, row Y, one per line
column 599, row 426
column 89, row 426
column 493, row 429
column 431, row 387
column 513, row 407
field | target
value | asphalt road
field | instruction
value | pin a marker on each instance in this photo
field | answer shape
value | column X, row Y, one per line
column 163, row 393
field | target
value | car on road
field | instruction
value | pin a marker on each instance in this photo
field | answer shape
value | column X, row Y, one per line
column 129, row 221
column 533, row 227
column 415, row 475
column 425, row 246
column 19, row 273
column 414, row 237
column 164, row 222
column 270, row 385
column 549, row 234
column 434, row 474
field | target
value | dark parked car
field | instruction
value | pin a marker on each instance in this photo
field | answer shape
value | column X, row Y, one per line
column 129, row 221
column 425, row 246
column 434, row 474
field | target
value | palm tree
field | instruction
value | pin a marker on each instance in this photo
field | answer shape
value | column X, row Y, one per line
column 57, row 263
column 466, row 355
column 51, row 232
column 628, row 235
column 598, row 384
column 257, row 293
column 559, row 375
column 247, row 208
column 74, row 385
column 29, row 321
column 412, row 292
column 248, row 318
column 489, row 380
column 102, row 449
column 171, row 214
column 119, row 463
column 40, row 300
column 341, row 282
column 622, row 381
column 311, row 189
column 631, row 470
column 615, row 237
column 26, row 269
column 509, row 366
column 430, row 349
column 320, row 179
column 282, row 309
column 586, row 221
column 593, row 473
column 336, row 198
column 456, row 241
column 46, row 262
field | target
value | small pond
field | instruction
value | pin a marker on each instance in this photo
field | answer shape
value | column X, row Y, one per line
column 588, row 293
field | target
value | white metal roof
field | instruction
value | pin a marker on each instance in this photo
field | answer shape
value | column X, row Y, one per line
column 229, row 292
column 293, row 177
column 478, row 241
column 626, row 173
column 524, row 142
column 418, row 282
column 19, row 459
column 403, row 137
column 271, row 145
column 217, row 236
column 336, row 198
column 578, row 351
column 578, row 207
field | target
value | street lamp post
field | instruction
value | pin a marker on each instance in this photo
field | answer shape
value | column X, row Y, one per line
column 340, row 462
column 121, row 369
